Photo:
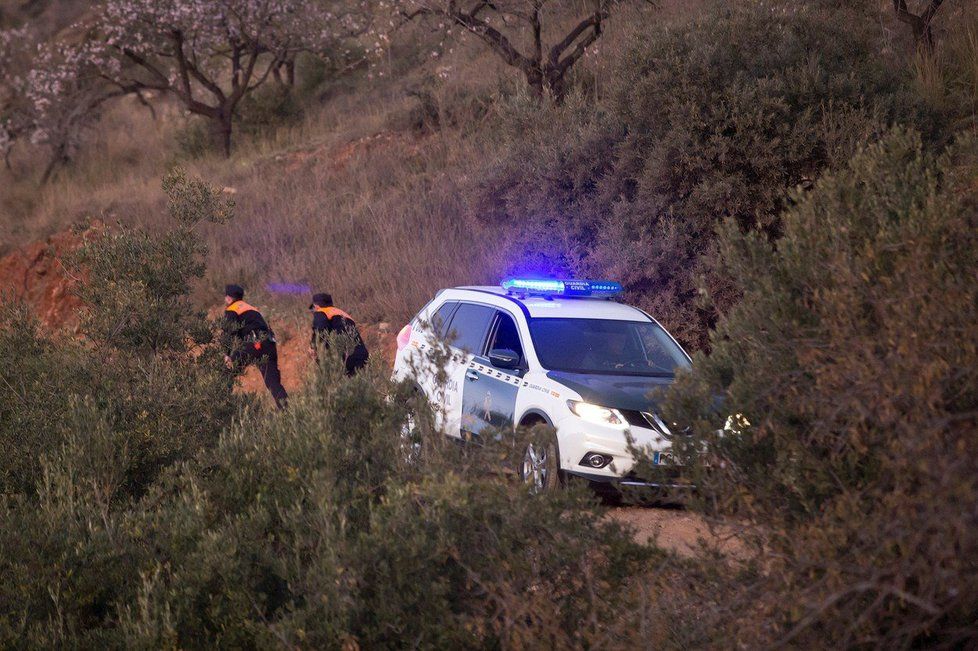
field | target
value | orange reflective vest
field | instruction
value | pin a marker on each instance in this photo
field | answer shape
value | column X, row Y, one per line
column 240, row 307
column 331, row 311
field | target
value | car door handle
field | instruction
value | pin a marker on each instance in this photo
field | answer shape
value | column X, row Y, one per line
column 471, row 375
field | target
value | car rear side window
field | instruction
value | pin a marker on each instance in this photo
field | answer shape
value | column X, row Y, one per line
column 469, row 325
column 440, row 319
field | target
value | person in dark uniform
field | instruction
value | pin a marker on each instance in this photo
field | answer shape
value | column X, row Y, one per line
column 252, row 342
column 329, row 320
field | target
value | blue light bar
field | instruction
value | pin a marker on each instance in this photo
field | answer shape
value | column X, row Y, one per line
column 566, row 288
column 546, row 286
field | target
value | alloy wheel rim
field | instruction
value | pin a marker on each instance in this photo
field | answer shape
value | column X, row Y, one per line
column 410, row 441
column 535, row 470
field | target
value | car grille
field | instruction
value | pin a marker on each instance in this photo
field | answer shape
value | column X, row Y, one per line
column 648, row 420
column 638, row 419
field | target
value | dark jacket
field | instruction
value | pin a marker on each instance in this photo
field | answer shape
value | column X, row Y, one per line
column 245, row 325
column 328, row 321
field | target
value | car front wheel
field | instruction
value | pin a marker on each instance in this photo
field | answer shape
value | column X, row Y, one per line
column 539, row 470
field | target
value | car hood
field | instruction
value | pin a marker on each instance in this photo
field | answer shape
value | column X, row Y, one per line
column 614, row 391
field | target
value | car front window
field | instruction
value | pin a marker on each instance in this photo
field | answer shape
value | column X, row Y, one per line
column 607, row 347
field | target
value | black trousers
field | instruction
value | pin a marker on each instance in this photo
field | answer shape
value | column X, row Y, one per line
column 266, row 359
column 356, row 360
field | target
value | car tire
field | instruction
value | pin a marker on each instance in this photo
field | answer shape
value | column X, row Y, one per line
column 411, row 436
column 539, row 469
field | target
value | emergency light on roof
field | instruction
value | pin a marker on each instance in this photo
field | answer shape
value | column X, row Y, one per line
column 566, row 288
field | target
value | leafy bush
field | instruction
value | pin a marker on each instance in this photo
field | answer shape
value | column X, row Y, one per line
column 310, row 528
column 700, row 124
column 193, row 139
column 145, row 373
column 852, row 357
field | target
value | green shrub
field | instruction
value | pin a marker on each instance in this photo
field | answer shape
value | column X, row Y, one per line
column 311, row 528
column 719, row 117
column 853, row 358
column 95, row 422
column 34, row 374
column 147, row 371
column 138, row 283
column 271, row 106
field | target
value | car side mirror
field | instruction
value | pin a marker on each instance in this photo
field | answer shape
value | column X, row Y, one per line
column 504, row 358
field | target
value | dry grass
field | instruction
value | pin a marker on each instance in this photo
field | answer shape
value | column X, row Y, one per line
column 357, row 198
column 352, row 199
column 946, row 79
column 376, row 229
column 115, row 176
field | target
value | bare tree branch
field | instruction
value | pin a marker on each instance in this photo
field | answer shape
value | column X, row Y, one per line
column 541, row 73
column 919, row 24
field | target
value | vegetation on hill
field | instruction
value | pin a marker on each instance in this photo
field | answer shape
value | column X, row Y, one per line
column 789, row 187
column 142, row 506
column 852, row 359
column 697, row 127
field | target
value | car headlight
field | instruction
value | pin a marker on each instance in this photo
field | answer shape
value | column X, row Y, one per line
column 736, row 424
column 595, row 413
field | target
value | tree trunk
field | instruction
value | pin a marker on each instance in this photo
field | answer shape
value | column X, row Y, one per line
column 221, row 133
column 923, row 35
column 58, row 157
column 535, row 80
column 290, row 73
column 556, row 85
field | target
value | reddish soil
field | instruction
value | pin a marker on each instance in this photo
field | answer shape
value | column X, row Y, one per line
column 35, row 274
column 294, row 358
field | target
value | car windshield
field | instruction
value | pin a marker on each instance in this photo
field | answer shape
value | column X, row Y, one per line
column 606, row 347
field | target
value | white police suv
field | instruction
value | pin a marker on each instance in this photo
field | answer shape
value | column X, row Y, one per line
column 561, row 352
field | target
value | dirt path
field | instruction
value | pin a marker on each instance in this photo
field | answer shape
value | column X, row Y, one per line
column 674, row 529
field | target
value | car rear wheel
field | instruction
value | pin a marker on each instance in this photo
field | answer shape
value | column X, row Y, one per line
column 411, row 433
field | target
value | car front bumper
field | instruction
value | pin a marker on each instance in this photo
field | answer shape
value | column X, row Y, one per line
column 631, row 481
column 577, row 438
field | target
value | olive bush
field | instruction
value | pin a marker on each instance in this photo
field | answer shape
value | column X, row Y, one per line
column 313, row 528
column 145, row 370
column 850, row 369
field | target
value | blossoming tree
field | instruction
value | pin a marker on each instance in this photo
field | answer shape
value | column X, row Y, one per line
column 210, row 54
column 13, row 105
column 49, row 94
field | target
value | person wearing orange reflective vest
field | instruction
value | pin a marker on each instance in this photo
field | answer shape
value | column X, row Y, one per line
column 330, row 320
column 252, row 342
